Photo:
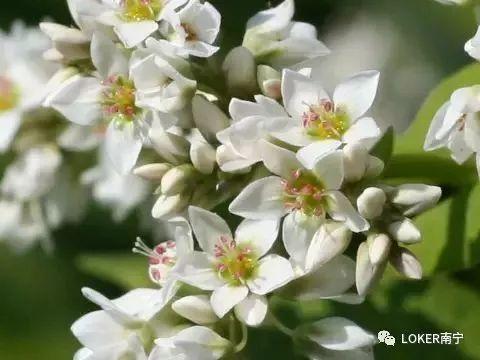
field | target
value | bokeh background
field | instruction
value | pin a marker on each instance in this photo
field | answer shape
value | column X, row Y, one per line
column 414, row 43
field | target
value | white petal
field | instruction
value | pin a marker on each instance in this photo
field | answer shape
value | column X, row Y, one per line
column 433, row 142
column 133, row 33
column 259, row 234
column 273, row 19
column 10, row 121
column 123, row 146
column 356, row 94
column 107, row 57
column 195, row 308
column 461, row 152
column 329, row 169
column 299, row 92
column 472, row 132
column 336, row 333
column 310, row 154
column 208, row 228
column 78, row 99
column 279, row 161
column 272, row 273
column 197, row 270
column 362, row 129
column 340, row 209
column 208, row 117
column 260, row 200
column 252, row 310
column 297, row 235
column 226, row 297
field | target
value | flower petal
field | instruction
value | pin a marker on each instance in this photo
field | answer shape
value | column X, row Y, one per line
column 310, row 154
column 224, row 298
column 10, row 121
column 123, row 146
column 259, row 234
column 330, row 170
column 252, row 310
column 208, row 228
column 195, row 308
column 362, row 129
column 107, row 57
column 197, row 270
column 272, row 273
column 279, row 161
column 340, row 209
column 356, row 94
column 133, row 33
column 260, row 200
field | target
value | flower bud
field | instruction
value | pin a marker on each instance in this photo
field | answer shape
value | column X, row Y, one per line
column 367, row 274
column 203, row 157
column 208, row 118
column 375, row 167
column 240, row 71
column 413, row 199
column 355, row 157
column 177, row 179
column 370, row 203
column 167, row 206
column 152, row 172
column 405, row 231
column 269, row 81
column 406, row 263
column 196, row 309
column 378, row 248
column 331, row 239
column 172, row 147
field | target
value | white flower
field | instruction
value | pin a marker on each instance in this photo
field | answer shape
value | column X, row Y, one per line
column 453, row 2
column 236, row 268
column 252, row 122
column 472, row 46
column 193, row 29
column 23, row 77
column 456, row 125
column 276, row 40
column 121, row 193
column 298, row 187
column 193, row 343
column 321, row 124
column 132, row 20
column 122, row 325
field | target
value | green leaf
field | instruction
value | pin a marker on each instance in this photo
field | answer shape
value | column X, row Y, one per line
column 451, row 233
column 125, row 270
column 412, row 141
column 384, row 148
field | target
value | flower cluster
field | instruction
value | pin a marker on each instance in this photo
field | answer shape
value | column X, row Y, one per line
column 263, row 177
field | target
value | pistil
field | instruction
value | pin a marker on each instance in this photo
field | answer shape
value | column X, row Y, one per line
column 324, row 121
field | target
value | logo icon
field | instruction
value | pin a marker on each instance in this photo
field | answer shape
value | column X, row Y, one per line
column 385, row 337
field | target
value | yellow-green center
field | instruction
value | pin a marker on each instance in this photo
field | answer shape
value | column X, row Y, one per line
column 9, row 94
column 324, row 121
column 235, row 263
column 118, row 100
column 141, row 10
column 304, row 192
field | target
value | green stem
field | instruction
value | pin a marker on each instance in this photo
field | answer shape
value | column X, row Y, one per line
column 278, row 324
column 241, row 345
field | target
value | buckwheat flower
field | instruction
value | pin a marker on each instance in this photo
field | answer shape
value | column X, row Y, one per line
column 23, row 78
column 237, row 268
column 276, row 40
column 455, row 126
column 125, row 325
column 196, row 342
column 121, row 193
column 472, row 46
column 252, row 122
column 193, row 28
column 297, row 187
column 321, row 124
column 132, row 20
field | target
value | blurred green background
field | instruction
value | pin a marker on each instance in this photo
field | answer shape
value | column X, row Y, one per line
column 415, row 43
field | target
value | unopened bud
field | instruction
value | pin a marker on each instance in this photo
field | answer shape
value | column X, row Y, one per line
column 152, row 172
column 208, row 118
column 167, row 206
column 375, row 167
column 379, row 248
column 203, row 157
column 355, row 157
column 405, row 231
column 331, row 239
column 240, row 71
column 367, row 274
column 177, row 179
column 195, row 308
column 370, row 203
column 269, row 81
column 413, row 199
column 170, row 146
column 406, row 263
